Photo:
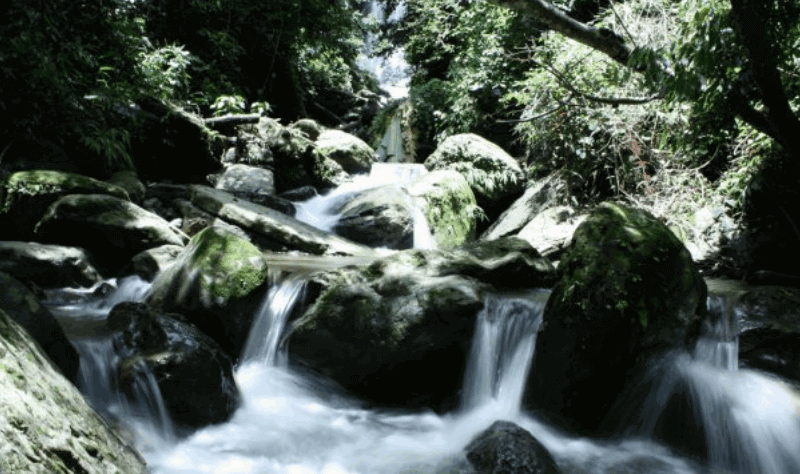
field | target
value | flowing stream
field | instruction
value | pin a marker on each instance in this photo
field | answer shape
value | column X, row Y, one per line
column 292, row 422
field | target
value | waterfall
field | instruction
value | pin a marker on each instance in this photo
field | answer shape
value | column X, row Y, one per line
column 393, row 72
column 265, row 333
column 501, row 354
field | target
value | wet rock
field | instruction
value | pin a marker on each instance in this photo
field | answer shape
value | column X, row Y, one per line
column 268, row 228
column 492, row 174
column 397, row 332
column 45, row 424
column 23, row 307
column 217, row 283
column 350, row 152
column 309, row 127
column 28, row 194
column 505, row 448
column 299, row 194
column 193, row 373
column 771, row 351
column 112, row 229
column 149, row 263
column 379, row 217
column 627, row 288
column 253, row 184
column 448, row 204
column 48, row 266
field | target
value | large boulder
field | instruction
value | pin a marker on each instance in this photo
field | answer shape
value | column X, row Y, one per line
column 194, row 375
column 627, row 288
column 379, row 217
column 539, row 195
column 505, row 448
column 48, row 266
column 398, row 331
column 26, row 195
column 448, row 204
column 24, row 308
column 493, row 174
column 350, row 152
column 112, row 229
column 217, row 283
column 253, row 184
column 269, row 229
column 45, row 424
column 147, row 264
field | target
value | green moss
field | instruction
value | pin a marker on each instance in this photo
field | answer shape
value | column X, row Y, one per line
column 450, row 207
column 37, row 182
column 234, row 266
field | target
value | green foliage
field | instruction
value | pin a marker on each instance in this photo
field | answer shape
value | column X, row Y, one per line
column 166, row 72
column 228, row 104
column 462, row 56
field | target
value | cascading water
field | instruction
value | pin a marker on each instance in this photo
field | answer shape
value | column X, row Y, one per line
column 393, row 71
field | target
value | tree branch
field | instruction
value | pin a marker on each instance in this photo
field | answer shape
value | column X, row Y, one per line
column 601, row 39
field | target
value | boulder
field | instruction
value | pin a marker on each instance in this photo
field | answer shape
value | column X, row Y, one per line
column 268, row 228
column 549, row 231
column 379, row 217
column 448, row 204
column 253, row 184
column 149, row 263
column 193, row 373
column 23, row 307
column 492, row 174
column 350, row 152
column 505, row 448
column 48, row 266
column 309, row 127
column 627, row 288
column 129, row 181
column 398, row 331
column 45, row 424
column 217, row 283
column 295, row 158
column 28, row 194
column 539, row 195
column 112, row 229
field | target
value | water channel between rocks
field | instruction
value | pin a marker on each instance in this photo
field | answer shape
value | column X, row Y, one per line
column 295, row 423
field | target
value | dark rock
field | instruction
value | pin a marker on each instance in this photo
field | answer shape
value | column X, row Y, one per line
column 149, row 263
column 379, row 217
column 772, row 351
column 627, row 289
column 112, row 229
column 48, row 265
column 129, row 181
column 398, row 331
column 193, row 373
column 28, row 194
column 21, row 305
column 299, row 194
column 505, row 448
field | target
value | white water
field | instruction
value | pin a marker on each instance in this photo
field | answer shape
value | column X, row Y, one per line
column 322, row 211
column 393, row 73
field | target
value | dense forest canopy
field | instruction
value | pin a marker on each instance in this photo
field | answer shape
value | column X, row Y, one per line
column 611, row 91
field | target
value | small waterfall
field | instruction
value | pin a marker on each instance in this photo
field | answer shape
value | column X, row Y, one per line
column 393, row 72
column 502, row 351
column 265, row 333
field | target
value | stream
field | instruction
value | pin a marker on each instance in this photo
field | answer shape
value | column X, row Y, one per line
column 293, row 422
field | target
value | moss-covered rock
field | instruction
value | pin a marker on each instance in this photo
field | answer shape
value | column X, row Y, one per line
column 398, row 331
column 627, row 288
column 492, row 173
column 350, row 152
column 46, row 427
column 112, row 229
column 217, row 284
column 449, row 206
column 28, row 194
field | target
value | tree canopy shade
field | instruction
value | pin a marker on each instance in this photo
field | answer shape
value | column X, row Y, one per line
column 765, row 34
